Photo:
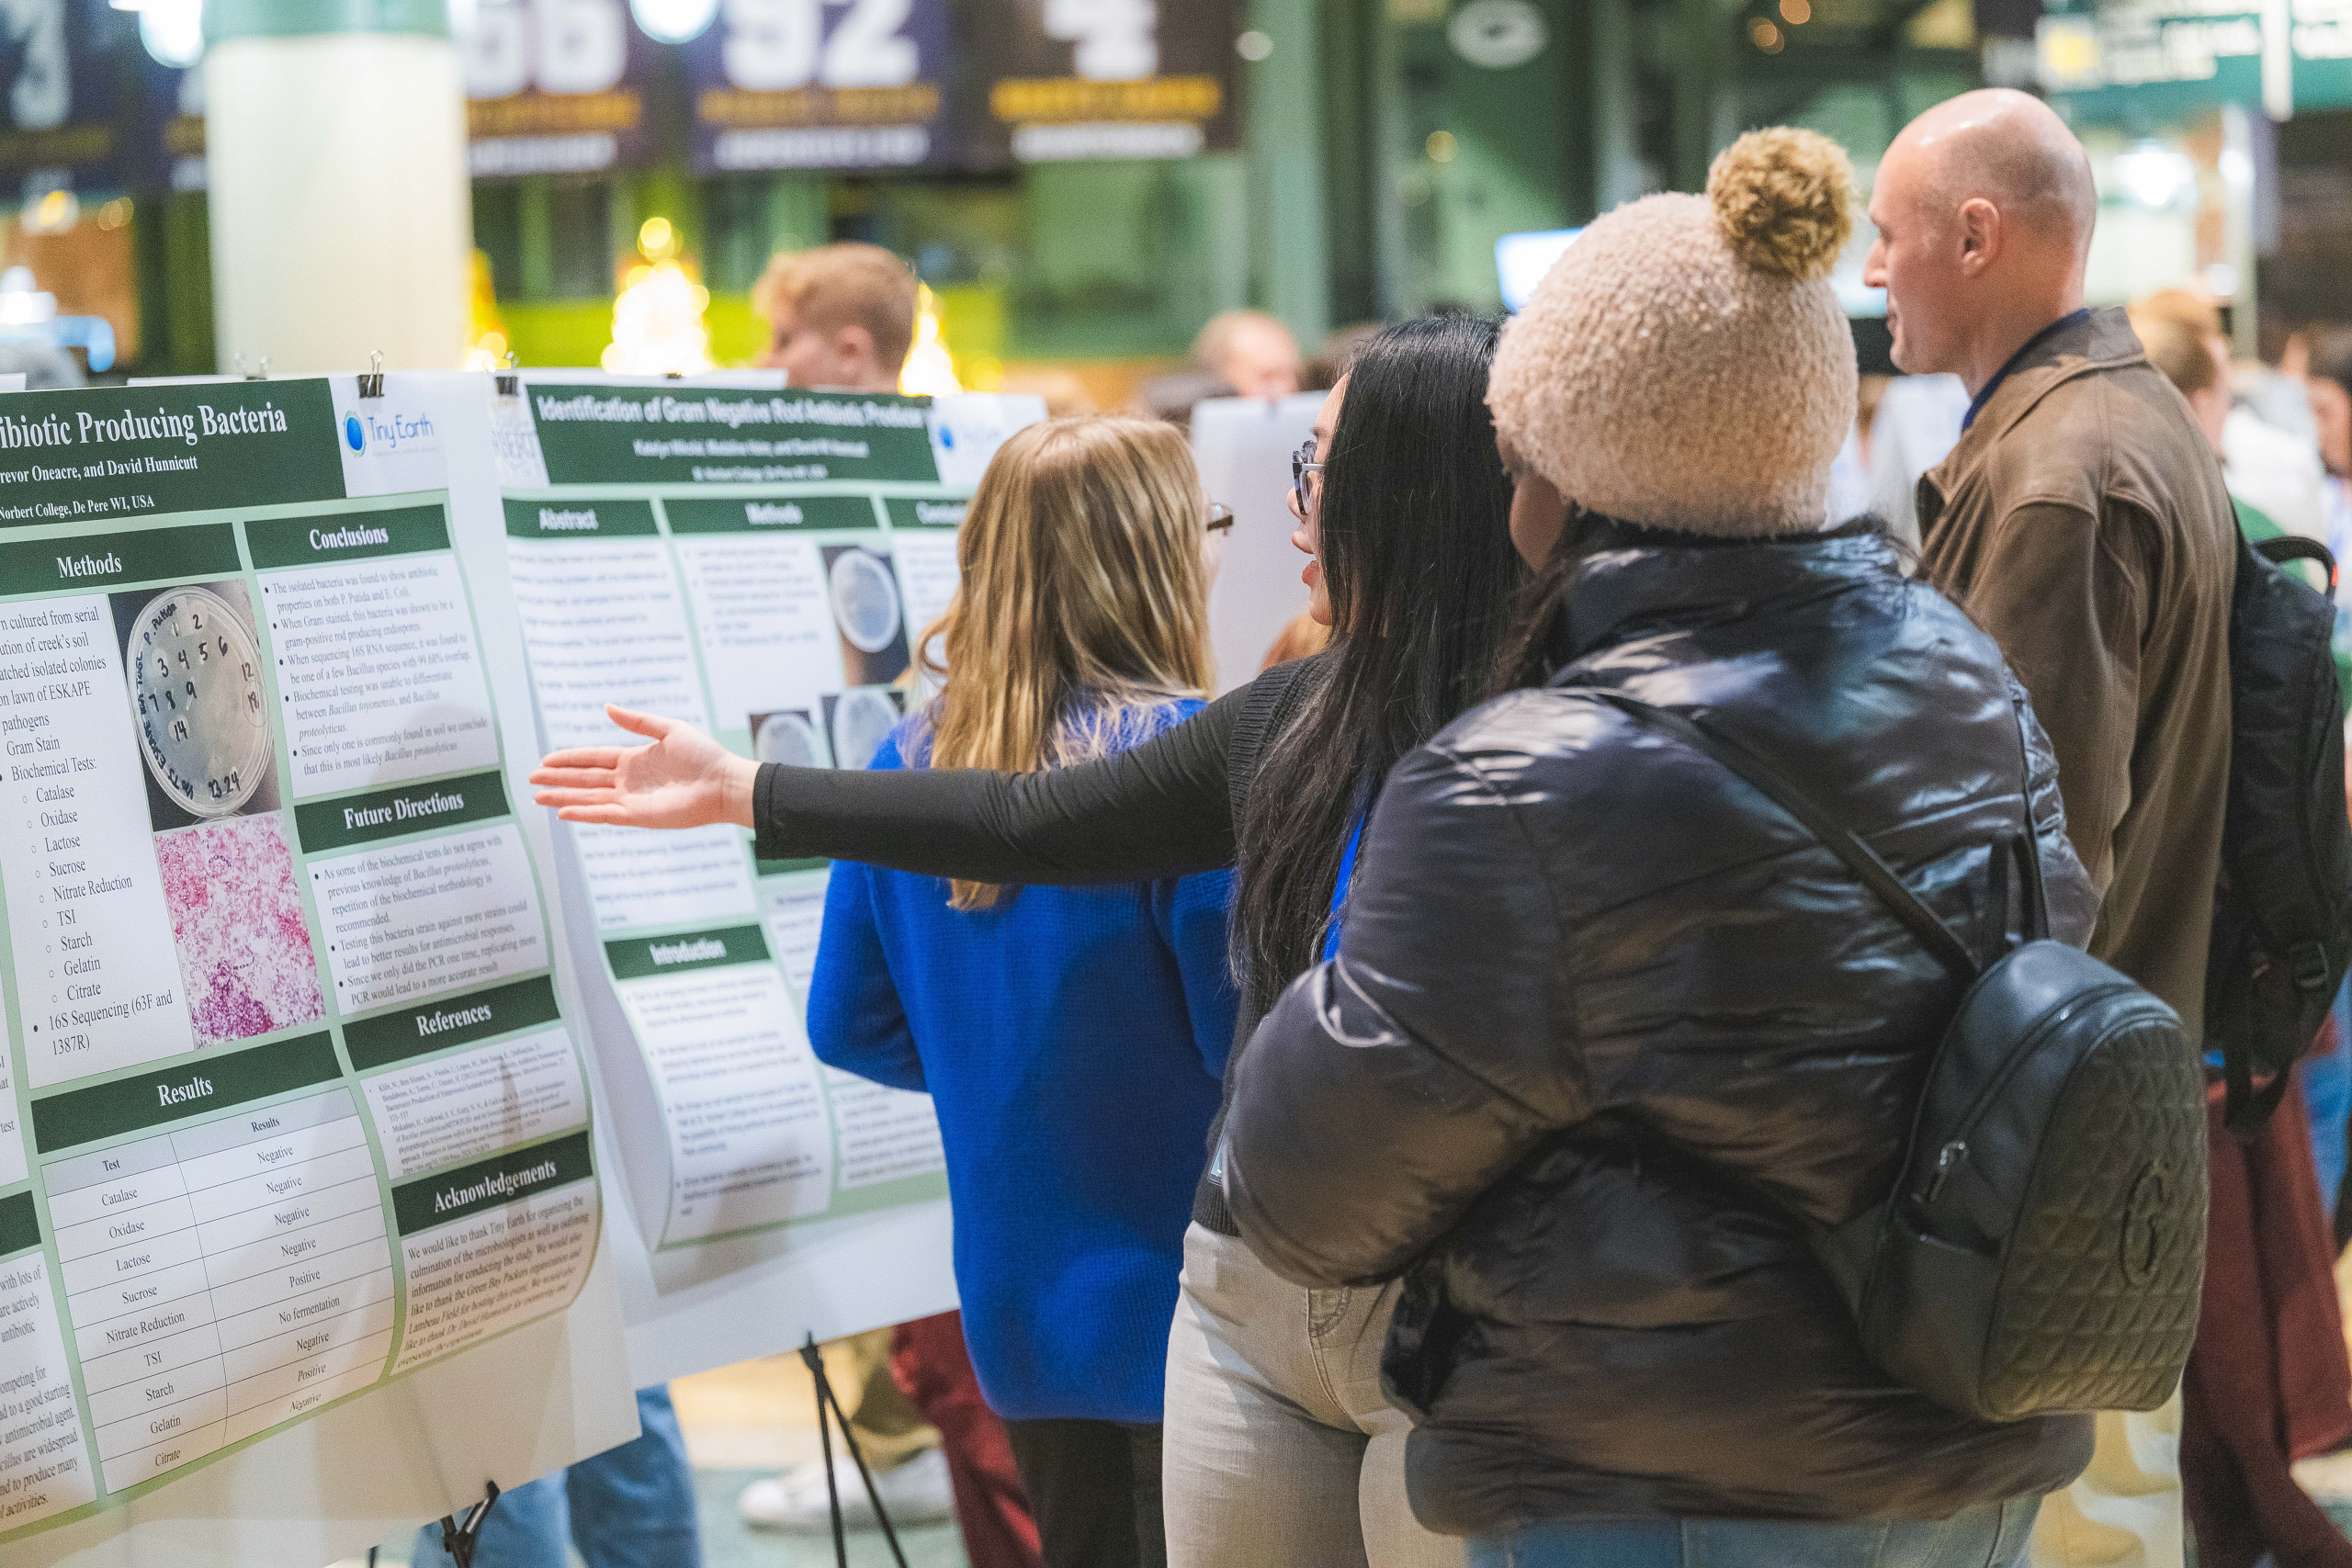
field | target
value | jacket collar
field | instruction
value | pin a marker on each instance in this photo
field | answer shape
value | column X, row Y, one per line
column 2101, row 341
column 1635, row 581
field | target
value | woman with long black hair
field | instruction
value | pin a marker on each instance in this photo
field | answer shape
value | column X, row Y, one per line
column 1280, row 1449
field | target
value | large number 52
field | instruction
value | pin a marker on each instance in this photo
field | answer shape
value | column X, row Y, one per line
column 582, row 46
column 774, row 45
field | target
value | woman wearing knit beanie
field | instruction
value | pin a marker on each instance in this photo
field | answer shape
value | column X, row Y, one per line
column 1606, row 1029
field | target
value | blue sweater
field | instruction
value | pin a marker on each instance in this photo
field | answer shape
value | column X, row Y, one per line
column 1072, row 1040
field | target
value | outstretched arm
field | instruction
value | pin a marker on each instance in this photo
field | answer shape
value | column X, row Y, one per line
column 1158, row 810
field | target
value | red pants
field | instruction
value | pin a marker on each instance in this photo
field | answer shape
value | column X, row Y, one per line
column 2267, row 1380
column 929, row 1363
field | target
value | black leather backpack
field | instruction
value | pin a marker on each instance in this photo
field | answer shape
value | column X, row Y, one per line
column 2042, row 1249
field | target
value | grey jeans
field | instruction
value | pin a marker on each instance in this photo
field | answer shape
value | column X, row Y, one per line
column 1279, row 1451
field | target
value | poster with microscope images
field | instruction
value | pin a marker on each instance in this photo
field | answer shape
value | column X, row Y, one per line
column 761, row 562
column 290, row 1109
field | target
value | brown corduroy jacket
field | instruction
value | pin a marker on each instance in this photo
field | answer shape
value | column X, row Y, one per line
column 2082, row 522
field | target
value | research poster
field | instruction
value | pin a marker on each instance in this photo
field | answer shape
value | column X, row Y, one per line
column 289, row 1107
column 761, row 562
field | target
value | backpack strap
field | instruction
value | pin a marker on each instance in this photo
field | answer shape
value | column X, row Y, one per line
column 2294, row 547
column 2029, row 843
column 1860, row 858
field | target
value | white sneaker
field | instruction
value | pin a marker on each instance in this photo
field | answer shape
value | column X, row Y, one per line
column 916, row 1493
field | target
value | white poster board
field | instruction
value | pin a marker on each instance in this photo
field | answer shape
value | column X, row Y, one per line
column 301, row 1228
column 761, row 562
column 1243, row 446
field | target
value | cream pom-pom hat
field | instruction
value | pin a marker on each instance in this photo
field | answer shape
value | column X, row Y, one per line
column 1685, row 363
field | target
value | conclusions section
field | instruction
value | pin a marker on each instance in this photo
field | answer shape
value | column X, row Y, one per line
column 374, row 640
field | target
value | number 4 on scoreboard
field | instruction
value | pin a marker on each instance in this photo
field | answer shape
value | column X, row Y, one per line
column 1118, row 40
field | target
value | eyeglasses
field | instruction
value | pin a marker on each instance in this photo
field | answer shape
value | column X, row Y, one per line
column 1302, row 465
column 1220, row 517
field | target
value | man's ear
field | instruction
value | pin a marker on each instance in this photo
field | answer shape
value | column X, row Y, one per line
column 1980, row 234
column 853, row 345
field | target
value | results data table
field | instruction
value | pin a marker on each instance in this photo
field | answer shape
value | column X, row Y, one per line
column 222, row 1277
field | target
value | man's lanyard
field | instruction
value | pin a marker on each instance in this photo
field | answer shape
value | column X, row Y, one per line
column 1340, row 887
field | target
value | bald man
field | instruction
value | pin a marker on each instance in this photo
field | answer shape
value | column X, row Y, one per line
column 2082, row 522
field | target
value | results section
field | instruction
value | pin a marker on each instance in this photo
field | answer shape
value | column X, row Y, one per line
column 226, row 1272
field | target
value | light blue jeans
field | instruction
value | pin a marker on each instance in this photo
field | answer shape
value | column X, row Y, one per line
column 632, row 1507
column 1993, row 1536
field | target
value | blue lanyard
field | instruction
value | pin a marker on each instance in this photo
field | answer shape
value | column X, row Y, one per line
column 1340, row 887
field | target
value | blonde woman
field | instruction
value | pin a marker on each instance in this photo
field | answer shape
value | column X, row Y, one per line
column 1070, row 1038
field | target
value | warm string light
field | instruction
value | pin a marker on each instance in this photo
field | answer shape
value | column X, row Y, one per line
column 658, row 320
column 930, row 369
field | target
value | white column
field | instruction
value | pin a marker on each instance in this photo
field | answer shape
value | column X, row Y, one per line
column 340, row 217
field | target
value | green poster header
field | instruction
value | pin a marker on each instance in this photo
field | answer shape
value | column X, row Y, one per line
column 2143, row 63
column 19, row 1224
column 197, row 1085
column 578, row 519
column 643, row 957
column 308, row 541
column 906, row 513
column 391, row 813
column 126, row 452
column 685, row 436
column 778, row 516
column 110, row 560
column 492, row 1183
column 414, row 1031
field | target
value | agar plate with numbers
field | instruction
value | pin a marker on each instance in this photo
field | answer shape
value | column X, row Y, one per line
column 195, row 673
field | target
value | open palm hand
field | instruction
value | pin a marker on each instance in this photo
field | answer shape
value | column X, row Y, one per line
column 685, row 779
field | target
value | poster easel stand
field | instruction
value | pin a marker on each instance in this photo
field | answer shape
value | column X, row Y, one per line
column 459, row 1536
column 827, row 1402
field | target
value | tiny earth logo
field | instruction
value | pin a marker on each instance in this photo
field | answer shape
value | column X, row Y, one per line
column 355, row 434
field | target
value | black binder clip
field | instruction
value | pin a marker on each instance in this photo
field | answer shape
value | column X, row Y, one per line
column 460, row 1537
column 237, row 362
column 371, row 385
column 509, row 383
column 826, row 1402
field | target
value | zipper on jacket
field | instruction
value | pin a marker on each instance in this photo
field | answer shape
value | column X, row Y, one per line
column 1954, row 1152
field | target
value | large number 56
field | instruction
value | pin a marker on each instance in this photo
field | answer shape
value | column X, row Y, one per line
column 1118, row 40
column 557, row 46
column 778, row 44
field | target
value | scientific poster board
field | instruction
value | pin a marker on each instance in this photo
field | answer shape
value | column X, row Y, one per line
column 1243, row 446
column 759, row 562
column 292, row 1114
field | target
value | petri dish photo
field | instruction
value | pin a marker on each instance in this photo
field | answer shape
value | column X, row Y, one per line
column 195, row 693
column 789, row 738
column 866, row 602
column 863, row 719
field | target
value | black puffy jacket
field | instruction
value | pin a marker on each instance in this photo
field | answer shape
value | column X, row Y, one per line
column 1603, row 1019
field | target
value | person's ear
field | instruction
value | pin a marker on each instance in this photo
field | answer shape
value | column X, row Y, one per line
column 854, row 346
column 1980, row 235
